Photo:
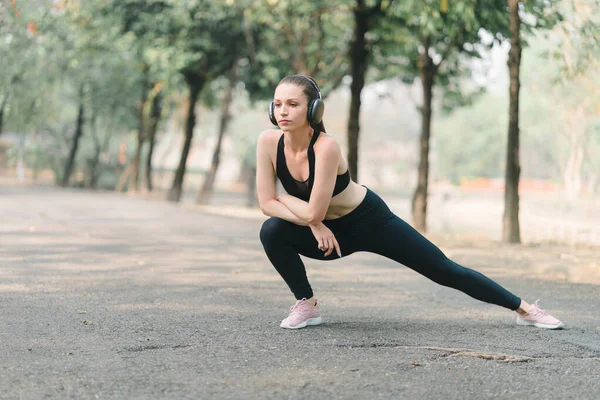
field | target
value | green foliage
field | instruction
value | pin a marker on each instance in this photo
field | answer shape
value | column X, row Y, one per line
column 21, row 64
column 559, row 82
column 286, row 37
column 103, row 52
column 451, row 38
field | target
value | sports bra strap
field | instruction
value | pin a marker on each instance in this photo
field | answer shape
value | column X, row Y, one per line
column 311, row 160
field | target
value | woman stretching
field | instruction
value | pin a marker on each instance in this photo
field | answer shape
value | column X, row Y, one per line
column 325, row 215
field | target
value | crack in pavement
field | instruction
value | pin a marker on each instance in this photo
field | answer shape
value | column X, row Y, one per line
column 454, row 352
column 156, row 347
column 500, row 357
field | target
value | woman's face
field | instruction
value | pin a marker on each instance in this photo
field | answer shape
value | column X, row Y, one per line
column 290, row 106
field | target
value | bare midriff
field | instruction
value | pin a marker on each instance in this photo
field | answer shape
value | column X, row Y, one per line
column 345, row 202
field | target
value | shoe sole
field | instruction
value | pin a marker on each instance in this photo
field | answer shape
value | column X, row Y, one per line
column 310, row 321
column 522, row 322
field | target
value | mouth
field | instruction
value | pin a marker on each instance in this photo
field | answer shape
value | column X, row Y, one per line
column 284, row 121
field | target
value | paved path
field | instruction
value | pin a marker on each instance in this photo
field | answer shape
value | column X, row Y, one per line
column 104, row 296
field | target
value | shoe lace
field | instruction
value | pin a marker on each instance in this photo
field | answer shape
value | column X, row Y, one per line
column 537, row 310
column 298, row 304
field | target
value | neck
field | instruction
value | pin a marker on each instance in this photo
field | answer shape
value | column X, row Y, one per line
column 297, row 140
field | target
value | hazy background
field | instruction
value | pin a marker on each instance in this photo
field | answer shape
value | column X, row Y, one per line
column 60, row 55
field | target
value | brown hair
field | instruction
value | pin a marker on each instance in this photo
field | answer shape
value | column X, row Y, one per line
column 311, row 91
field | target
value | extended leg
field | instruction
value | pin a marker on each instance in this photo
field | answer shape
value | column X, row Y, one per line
column 399, row 241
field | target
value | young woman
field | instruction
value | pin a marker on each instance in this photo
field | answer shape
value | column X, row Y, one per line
column 325, row 215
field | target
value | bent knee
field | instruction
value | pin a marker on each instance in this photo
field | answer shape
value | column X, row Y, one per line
column 271, row 230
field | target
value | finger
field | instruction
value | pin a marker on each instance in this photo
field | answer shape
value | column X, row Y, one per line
column 321, row 246
column 325, row 244
column 337, row 247
column 330, row 247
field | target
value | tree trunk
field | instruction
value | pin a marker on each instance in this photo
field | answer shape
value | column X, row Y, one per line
column 207, row 188
column 572, row 175
column 427, row 72
column 2, row 108
column 251, row 200
column 575, row 128
column 155, row 114
column 92, row 179
column 75, row 143
column 141, row 137
column 135, row 164
column 195, row 85
column 510, row 222
column 358, row 68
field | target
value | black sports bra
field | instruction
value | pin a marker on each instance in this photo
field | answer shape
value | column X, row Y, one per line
column 300, row 189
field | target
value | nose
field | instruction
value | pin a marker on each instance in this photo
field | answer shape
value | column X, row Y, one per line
column 283, row 109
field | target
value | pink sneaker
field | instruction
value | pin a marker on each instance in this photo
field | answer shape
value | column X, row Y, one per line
column 301, row 315
column 539, row 318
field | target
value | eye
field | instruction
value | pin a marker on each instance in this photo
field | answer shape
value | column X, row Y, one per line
column 277, row 105
column 293, row 104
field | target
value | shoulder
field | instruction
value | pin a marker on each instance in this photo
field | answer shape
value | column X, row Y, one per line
column 327, row 146
column 269, row 136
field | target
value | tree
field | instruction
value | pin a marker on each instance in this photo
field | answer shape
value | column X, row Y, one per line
column 139, row 19
column 90, row 61
column 21, row 65
column 431, row 40
column 76, row 138
column 543, row 14
column 211, row 40
column 289, row 37
column 576, row 92
column 510, row 220
column 365, row 17
column 198, row 39
column 154, row 119
column 209, row 180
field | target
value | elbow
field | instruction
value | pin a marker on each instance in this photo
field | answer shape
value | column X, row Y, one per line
column 264, row 210
column 315, row 218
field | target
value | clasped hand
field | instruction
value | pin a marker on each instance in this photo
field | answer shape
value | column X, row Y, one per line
column 326, row 239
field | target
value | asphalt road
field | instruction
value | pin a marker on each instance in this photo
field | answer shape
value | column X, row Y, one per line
column 105, row 296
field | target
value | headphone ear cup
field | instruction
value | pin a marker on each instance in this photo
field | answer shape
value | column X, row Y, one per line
column 272, row 114
column 316, row 108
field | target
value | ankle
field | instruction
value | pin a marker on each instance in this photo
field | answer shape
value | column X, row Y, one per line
column 312, row 301
column 523, row 308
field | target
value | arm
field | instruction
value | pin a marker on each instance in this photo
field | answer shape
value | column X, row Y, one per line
column 265, row 186
column 326, row 164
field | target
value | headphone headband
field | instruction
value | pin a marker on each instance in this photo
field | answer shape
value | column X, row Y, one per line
column 312, row 82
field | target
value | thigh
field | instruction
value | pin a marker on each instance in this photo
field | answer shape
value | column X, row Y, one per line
column 399, row 241
column 300, row 238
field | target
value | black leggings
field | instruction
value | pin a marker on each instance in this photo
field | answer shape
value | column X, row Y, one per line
column 374, row 228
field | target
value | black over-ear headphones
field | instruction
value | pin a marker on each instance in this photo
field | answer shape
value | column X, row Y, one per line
column 316, row 107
